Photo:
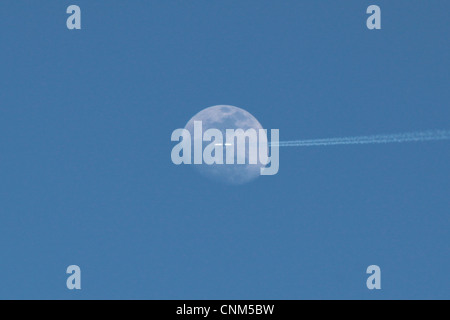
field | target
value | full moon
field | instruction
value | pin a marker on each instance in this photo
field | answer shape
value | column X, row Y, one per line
column 224, row 117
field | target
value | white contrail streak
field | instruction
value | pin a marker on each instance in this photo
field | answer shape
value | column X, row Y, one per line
column 433, row 135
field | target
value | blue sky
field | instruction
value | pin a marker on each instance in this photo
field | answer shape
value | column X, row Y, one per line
column 86, row 176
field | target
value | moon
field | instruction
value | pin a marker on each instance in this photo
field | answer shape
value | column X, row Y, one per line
column 224, row 117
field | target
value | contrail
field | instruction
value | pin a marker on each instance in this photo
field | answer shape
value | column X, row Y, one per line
column 432, row 135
